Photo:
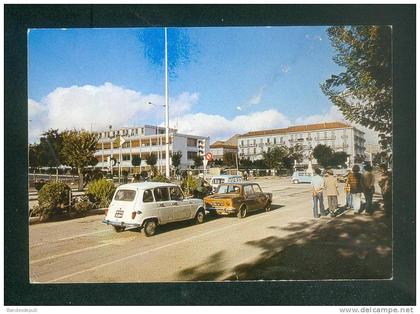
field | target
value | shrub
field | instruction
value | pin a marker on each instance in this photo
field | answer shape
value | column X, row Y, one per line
column 189, row 185
column 53, row 197
column 160, row 178
column 82, row 204
column 39, row 184
column 100, row 192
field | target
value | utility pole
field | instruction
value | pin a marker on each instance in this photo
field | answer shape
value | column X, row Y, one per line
column 166, row 107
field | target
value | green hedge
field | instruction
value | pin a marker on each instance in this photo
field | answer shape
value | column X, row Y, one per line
column 100, row 192
column 53, row 198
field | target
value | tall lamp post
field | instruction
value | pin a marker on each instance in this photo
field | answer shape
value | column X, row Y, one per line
column 166, row 107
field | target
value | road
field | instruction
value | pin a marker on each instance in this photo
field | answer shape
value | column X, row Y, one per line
column 85, row 250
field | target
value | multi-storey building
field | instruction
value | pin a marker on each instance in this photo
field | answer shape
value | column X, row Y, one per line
column 339, row 136
column 142, row 141
column 219, row 148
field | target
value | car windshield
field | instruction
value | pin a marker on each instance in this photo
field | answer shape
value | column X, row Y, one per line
column 125, row 195
column 228, row 189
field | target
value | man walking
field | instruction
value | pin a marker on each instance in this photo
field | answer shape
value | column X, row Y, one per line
column 355, row 181
column 368, row 188
column 317, row 196
column 331, row 190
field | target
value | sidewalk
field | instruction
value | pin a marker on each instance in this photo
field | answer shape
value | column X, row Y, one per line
column 345, row 247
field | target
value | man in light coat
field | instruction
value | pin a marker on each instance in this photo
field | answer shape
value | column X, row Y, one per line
column 317, row 195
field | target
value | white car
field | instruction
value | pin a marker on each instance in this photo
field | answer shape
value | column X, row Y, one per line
column 149, row 204
column 224, row 178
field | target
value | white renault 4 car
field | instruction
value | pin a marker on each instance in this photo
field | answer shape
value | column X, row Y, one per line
column 149, row 204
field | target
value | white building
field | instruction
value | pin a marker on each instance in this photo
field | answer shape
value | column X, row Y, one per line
column 143, row 140
column 219, row 148
column 339, row 136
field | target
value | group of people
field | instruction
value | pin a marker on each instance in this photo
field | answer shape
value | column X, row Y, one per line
column 356, row 184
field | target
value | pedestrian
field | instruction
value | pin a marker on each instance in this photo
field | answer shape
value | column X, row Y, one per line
column 355, row 181
column 349, row 203
column 368, row 188
column 317, row 196
column 385, row 182
column 331, row 190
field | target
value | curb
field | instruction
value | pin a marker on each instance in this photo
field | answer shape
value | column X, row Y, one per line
column 68, row 216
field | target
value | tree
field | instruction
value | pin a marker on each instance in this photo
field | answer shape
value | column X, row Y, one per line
column 136, row 161
column 338, row 159
column 363, row 92
column 229, row 159
column 198, row 161
column 34, row 157
column 78, row 149
column 323, row 154
column 49, row 149
column 274, row 158
column 151, row 160
column 176, row 159
column 293, row 153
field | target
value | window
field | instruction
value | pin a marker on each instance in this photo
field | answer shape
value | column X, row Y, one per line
column 147, row 196
column 275, row 140
column 161, row 194
column 228, row 189
column 191, row 142
column 247, row 142
column 191, row 155
column 256, row 188
column 255, row 150
column 242, row 142
column 255, row 142
column 268, row 140
column 176, row 193
column 125, row 195
column 248, row 190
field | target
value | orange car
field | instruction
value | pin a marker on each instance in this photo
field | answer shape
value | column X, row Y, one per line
column 238, row 198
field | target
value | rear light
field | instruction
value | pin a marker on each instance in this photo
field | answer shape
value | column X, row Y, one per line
column 106, row 211
column 133, row 215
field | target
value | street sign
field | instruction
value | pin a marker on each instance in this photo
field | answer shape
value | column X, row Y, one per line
column 208, row 156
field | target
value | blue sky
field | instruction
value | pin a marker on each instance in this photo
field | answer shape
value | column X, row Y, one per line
column 223, row 80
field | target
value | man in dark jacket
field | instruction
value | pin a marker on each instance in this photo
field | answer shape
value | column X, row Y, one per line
column 355, row 181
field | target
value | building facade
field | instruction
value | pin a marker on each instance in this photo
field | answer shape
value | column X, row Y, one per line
column 142, row 141
column 339, row 136
column 219, row 148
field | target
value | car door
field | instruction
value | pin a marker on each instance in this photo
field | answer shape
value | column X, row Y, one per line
column 180, row 206
column 260, row 196
column 163, row 203
column 250, row 197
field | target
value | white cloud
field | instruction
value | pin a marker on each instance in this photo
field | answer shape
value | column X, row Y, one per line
column 285, row 68
column 218, row 127
column 256, row 99
column 99, row 106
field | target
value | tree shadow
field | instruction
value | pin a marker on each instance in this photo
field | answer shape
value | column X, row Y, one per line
column 211, row 269
column 348, row 247
column 345, row 247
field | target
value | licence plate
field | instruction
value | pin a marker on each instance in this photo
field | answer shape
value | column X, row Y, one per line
column 119, row 213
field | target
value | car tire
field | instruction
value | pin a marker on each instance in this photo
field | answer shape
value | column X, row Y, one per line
column 242, row 212
column 268, row 206
column 150, row 228
column 200, row 216
column 295, row 181
column 119, row 229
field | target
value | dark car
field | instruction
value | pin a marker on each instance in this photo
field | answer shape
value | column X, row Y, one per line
column 239, row 199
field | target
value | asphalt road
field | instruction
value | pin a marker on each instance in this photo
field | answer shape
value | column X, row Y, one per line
column 85, row 250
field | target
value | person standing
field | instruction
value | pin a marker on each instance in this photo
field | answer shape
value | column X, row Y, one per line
column 349, row 203
column 368, row 188
column 355, row 182
column 317, row 195
column 331, row 190
column 385, row 182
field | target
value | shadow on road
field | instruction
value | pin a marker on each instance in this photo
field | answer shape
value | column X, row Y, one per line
column 346, row 247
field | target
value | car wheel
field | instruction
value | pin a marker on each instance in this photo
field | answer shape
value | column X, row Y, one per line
column 199, row 217
column 242, row 212
column 119, row 229
column 268, row 206
column 295, row 181
column 150, row 228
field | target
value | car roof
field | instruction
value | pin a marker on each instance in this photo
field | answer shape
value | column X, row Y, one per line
column 145, row 185
column 226, row 176
column 239, row 183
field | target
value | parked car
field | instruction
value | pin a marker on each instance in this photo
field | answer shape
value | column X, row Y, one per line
column 224, row 178
column 301, row 177
column 238, row 198
column 150, row 204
